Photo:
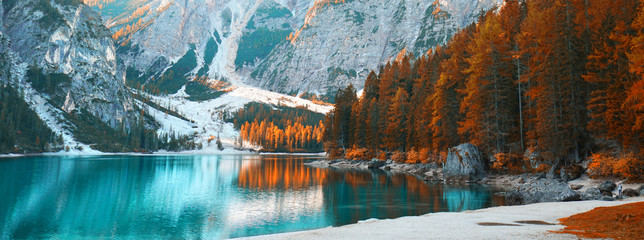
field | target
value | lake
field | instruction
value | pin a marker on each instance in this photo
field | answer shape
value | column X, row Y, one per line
column 206, row 197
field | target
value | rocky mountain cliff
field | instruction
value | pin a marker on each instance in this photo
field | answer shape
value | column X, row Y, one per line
column 290, row 46
column 67, row 38
column 66, row 42
column 340, row 43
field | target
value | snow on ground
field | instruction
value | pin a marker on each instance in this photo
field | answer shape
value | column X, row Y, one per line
column 50, row 115
column 207, row 116
column 462, row 225
column 169, row 123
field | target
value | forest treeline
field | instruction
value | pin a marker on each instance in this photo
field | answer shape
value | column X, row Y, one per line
column 536, row 85
column 23, row 131
column 279, row 129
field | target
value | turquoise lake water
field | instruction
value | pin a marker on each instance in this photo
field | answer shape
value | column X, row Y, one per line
column 206, row 197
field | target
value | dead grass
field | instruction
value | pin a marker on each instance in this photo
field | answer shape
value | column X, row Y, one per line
column 619, row 222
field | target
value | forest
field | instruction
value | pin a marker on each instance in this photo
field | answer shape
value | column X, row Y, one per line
column 537, row 85
column 21, row 128
column 279, row 129
column 23, row 131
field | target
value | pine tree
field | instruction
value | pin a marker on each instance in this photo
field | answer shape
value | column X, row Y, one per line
column 608, row 75
column 342, row 129
column 395, row 132
column 446, row 100
column 359, row 111
column 489, row 100
column 373, row 129
column 635, row 100
column 557, row 120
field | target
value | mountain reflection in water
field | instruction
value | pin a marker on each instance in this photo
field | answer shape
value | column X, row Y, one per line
column 217, row 196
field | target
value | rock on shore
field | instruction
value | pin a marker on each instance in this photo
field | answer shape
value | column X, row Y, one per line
column 427, row 172
column 521, row 189
column 464, row 163
column 541, row 190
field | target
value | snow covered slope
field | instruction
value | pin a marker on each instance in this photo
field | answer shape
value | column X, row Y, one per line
column 206, row 117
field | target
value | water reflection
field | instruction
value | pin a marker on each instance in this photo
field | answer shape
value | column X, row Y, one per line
column 205, row 196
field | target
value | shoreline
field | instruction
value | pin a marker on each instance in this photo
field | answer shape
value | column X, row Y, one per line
column 430, row 172
column 159, row 153
column 532, row 221
column 517, row 189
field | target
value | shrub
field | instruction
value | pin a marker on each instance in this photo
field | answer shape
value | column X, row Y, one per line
column 508, row 162
column 601, row 165
column 382, row 155
column 359, row 154
column 399, row 156
column 439, row 158
column 420, row 156
column 629, row 166
column 625, row 165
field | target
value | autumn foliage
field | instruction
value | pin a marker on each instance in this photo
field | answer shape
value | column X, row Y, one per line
column 623, row 165
column 620, row 222
column 563, row 78
column 279, row 130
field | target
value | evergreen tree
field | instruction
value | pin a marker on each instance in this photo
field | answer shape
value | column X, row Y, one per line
column 489, row 100
column 395, row 132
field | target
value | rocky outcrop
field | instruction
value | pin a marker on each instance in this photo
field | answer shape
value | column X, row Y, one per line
column 427, row 172
column 375, row 163
column 5, row 59
column 541, row 190
column 464, row 163
column 592, row 193
column 629, row 192
column 339, row 44
column 607, row 187
column 330, row 43
column 210, row 36
column 67, row 39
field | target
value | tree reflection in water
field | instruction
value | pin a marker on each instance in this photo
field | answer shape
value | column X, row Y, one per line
column 206, row 196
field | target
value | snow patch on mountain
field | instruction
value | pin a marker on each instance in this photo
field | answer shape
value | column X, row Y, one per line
column 206, row 118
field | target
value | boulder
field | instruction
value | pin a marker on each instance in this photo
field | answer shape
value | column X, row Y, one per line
column 375, row 163
column 592, row 194
column 542, row 190
column 641, row 190
column 464, row 163
column 629, row 192
column 433, row 175
column 607, row 186
column 594, row 191
column 606, row 193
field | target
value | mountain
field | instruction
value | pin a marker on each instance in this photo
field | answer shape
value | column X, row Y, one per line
column 289, row 46
column 340, row 43
column 81, row 71
column 63, row 59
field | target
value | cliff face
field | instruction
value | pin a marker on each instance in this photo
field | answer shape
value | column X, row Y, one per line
column 287, row 46
column 200, row 37
column 339, row 44
column 73, row 52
